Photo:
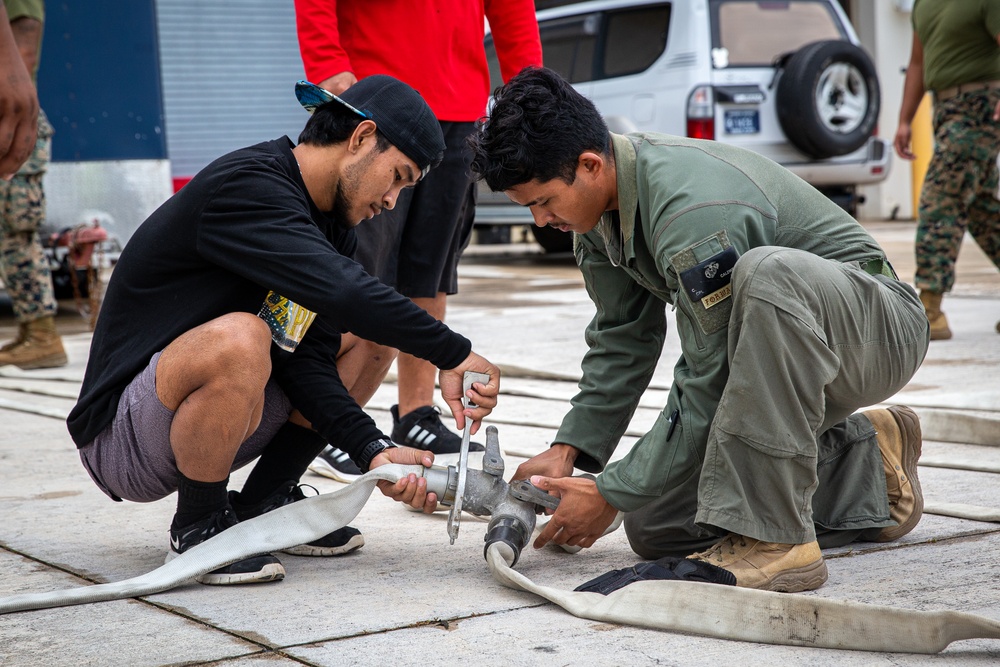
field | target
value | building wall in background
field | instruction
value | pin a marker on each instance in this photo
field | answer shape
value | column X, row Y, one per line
column 99, row 83
column 884, row 29
column 229, row 69
column 144, row 94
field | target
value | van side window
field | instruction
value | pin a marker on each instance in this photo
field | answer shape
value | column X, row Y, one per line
column 634, row 39
column 568, row 46
column 598, row 45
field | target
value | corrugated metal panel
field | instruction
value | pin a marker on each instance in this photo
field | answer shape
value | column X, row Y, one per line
column 229, row 69
column 127, row 190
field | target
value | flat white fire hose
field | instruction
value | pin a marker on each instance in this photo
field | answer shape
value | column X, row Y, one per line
column 288, row 526
column 963, row 511
column 728, row 612
column 712, row 610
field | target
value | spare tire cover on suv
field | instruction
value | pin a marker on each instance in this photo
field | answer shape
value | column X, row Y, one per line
column 828, row 98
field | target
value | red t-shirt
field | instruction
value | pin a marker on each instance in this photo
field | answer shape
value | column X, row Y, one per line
column 436, row 46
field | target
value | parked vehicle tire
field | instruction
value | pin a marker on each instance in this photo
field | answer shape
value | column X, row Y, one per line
column 553, row 240
column 828, row 98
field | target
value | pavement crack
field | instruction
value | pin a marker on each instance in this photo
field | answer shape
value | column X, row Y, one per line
column 447, row 624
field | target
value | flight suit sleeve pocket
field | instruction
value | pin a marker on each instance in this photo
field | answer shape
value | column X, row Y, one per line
column 705, row 272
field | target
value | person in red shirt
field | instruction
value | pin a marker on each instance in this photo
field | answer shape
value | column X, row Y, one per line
column 437, row 48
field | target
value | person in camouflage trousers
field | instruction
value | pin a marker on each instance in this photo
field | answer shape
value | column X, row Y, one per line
column 959, row 192
column 25, row 270
column 955, row 54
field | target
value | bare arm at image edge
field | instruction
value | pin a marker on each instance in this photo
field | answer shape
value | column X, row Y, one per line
column 913, row 93
column 18, row 103
column 996, row 112
column 326, row 61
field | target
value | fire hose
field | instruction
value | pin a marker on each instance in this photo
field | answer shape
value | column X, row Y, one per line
column 711, row 610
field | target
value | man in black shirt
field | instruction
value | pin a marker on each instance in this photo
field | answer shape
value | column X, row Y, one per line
column 237, row 326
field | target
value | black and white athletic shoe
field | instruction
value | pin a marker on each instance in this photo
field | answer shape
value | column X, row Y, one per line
column 253, row 570
column 339, row 542
column 423, row 429
column 335, row 464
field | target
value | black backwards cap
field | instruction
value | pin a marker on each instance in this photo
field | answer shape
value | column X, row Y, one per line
column 399, row 112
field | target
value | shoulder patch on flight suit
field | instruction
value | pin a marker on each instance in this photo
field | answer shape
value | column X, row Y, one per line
column 705, row 270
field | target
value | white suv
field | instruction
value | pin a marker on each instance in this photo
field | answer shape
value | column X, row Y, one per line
column 786, row 79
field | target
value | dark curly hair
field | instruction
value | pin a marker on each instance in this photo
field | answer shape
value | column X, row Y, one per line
column 537, row 128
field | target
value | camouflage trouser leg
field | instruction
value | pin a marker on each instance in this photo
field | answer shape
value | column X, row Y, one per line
column 960, row 190
column 25, row 270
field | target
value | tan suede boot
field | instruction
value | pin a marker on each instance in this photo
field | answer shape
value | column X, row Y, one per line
column 41, row 348
column 900, row 441
column 939, row 323
column 786, row 568
column 22, row 335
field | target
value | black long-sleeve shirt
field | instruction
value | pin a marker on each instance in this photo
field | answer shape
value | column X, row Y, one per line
column 243, row 227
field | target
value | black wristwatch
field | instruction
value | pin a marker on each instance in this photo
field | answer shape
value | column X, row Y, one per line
column 371, row 450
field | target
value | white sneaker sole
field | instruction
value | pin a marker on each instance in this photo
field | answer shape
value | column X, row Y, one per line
column 271, row 572
column 324, row 469
column 353, row 544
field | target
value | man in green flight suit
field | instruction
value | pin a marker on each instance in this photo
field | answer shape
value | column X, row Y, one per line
column 790, row 319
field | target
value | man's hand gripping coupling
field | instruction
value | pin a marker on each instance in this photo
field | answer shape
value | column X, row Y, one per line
column 412, row 490
column 482, row 397
column 582, row 516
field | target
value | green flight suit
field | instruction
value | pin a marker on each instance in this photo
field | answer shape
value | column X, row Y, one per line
column 779, row 348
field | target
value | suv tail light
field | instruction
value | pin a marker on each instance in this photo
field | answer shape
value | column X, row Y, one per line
column 701, row 113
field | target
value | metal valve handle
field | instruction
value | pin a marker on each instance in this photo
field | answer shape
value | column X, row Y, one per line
column 455, row 515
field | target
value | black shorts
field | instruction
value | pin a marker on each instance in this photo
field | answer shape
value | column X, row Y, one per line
column 415, row 247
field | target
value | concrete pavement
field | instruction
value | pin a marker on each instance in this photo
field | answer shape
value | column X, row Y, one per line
column 407, row 597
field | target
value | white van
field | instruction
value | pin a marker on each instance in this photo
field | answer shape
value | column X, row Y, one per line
column 786, row 79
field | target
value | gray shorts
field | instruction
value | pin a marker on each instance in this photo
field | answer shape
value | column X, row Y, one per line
column 132, row 459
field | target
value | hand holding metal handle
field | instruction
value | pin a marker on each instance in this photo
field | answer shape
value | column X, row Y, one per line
column 455, row 515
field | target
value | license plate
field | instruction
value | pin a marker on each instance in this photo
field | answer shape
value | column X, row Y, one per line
column 742, row 121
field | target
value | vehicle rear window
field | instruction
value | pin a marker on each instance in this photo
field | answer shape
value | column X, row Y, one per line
column 754, row 34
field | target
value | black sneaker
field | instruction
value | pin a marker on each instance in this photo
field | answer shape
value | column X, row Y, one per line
column 335, row 464
column 339, row 542
column 253, row 570
column 423, row 429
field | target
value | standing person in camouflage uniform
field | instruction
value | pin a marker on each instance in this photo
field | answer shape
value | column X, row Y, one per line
column 955, row 54
column 26, row 272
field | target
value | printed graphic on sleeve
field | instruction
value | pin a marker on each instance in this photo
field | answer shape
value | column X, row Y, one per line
column 287, row 320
